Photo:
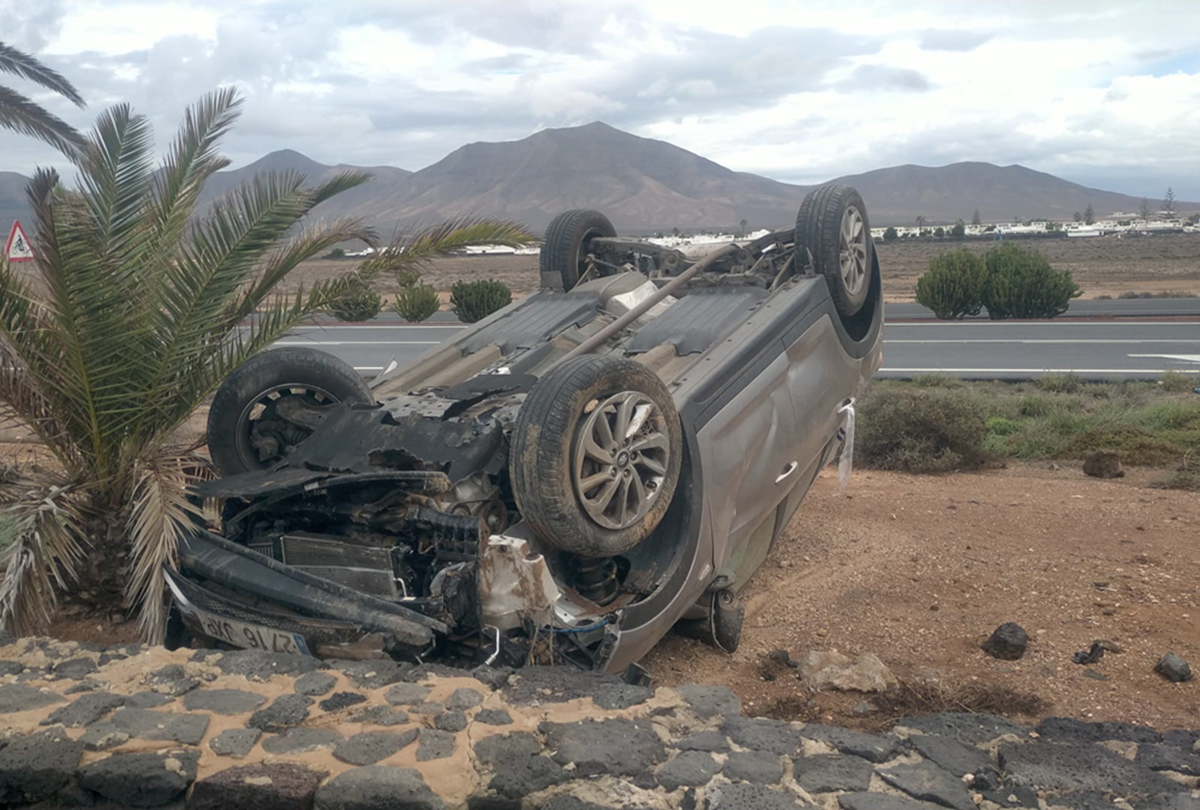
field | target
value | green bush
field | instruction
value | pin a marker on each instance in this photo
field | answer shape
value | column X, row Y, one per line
column 1000, row 426
column 921, row 430
column 358, row 303
column 407, row 277
column 890, row 234
column 953, row 287
column 1176, row 382
column 1059, row 383
column 415, row 303
column 1022, row 284
column 474, row 300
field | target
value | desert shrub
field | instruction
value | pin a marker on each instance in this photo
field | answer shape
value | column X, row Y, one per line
column 358, row 303
column 407, row 277
column 1060, row 383
column 890, row 234
column 936, row 381
column 953, row 287
column 1186, row 476
column 1022, row 284
column 416, row 302
column 475, row 300
column 929, row 430
column 1176, row 382
column 1001, row 426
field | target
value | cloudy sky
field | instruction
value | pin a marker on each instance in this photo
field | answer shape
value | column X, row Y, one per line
column 1100, row 92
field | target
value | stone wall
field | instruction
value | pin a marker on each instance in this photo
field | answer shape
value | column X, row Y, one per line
column 142, row 727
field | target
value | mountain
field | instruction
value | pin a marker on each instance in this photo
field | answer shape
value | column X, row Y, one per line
column 12, row 201
column 369, row 200
column 896, row 196
column 640, row 183
column 647, row 185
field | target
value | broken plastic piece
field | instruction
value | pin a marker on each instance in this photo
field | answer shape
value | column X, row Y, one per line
column 846, row 434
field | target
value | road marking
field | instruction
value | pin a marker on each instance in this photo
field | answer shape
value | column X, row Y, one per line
column 358, row 342
column 328, row 327
column 1187, row 358
column 1079, row 341
column 1027, row 324
column 1039, row 370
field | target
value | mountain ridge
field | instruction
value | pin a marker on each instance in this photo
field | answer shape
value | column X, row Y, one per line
column 644, row 185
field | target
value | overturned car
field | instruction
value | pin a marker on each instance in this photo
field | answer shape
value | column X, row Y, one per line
column 561, row 483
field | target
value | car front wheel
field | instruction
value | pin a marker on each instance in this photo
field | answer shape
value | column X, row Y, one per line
column 272, row 402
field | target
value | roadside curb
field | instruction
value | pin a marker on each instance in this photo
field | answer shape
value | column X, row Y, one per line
column 141, row 726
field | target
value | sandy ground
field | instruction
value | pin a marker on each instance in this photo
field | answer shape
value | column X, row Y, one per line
column 919, row 570
column 1164, row 263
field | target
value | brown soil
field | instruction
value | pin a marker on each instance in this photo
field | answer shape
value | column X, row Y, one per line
column 920, row 569
column 1164, row 263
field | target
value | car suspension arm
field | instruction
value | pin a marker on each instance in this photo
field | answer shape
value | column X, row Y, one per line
column 671, row 286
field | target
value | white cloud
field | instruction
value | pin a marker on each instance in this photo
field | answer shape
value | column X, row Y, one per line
column 1104, row 94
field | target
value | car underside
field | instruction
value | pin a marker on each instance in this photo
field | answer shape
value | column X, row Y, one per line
column 560, row 483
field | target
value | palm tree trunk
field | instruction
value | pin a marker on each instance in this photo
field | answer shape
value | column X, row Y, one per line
column 102, row 577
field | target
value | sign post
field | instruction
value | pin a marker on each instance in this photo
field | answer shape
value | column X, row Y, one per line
column 18, row 248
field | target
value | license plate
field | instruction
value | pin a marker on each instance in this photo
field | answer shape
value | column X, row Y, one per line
column 244, row 634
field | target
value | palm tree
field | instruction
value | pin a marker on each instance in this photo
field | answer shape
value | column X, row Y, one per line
column 136, row 310
column 19, row 113
column 920, row 223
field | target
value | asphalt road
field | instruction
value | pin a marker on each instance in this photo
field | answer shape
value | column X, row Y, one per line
column 976, row 349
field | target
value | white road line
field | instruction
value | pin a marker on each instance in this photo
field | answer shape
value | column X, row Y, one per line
column 1015, row 341
column 1039, row 370
column 329, row 327
column 1187, row 358
column 357, row 342
column 1026, row 324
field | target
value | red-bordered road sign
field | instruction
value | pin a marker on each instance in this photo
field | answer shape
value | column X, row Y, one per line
column 18, row 248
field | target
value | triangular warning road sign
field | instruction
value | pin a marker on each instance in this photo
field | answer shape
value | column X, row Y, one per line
column 18, row 248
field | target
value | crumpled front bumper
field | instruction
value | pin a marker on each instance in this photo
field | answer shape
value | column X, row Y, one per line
column 229, row 593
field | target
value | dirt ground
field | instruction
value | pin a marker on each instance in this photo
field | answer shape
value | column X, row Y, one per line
column 1163, row 263
column 920, row 569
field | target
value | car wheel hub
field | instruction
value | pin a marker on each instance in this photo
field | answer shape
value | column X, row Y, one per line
column 620, row 458
column 853, row 250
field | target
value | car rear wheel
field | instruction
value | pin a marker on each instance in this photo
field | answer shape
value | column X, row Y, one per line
column 832, row 226
column 272, row 402
column 567, row 245
column 595, row 455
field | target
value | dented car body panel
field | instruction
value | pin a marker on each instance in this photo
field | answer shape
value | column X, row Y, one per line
column 394, row 529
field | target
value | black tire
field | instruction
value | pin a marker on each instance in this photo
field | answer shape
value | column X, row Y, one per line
column 565, row 245
column 819, row 228
column 234, row 428
column 543, row 457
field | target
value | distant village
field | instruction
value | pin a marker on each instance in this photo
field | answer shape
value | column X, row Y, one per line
column 1118, row 224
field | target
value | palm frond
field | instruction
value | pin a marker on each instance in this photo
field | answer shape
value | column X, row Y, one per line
column 161, row 516
column 191, row 160
column 313, row 241
column 200, row 290
column 45, row 554
column 116, row 178
column 412, row 249
column 21, row 114
column 29, row 67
